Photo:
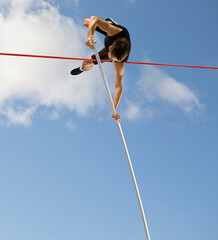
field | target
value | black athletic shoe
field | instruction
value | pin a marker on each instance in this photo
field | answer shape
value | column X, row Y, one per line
column 76, row 71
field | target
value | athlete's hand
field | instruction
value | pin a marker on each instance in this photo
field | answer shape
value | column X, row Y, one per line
column 89, row 43
column 117, row 118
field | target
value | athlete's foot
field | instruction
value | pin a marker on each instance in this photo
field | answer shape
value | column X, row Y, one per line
column 76, row 71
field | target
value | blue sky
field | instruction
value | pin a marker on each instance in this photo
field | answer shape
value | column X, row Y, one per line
column 63, row 171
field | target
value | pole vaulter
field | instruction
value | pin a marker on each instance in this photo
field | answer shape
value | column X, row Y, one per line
column 123, row 140
column 117, row 48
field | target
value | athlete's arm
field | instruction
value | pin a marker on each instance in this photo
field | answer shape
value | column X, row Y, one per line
column 119, row 71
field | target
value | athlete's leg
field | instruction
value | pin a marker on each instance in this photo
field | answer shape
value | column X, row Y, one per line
column 86, row 22
column 110, row 20
column 87, row 65
column 103, row 54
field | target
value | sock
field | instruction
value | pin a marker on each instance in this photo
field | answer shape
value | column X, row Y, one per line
column 76, row 71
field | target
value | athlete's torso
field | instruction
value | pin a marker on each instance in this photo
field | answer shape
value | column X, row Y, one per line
column 108, row 41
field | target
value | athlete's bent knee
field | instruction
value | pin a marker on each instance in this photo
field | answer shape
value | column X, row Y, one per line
column 86, row 22
column 87, row 65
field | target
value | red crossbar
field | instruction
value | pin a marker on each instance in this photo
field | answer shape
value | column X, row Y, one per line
column 85, row 59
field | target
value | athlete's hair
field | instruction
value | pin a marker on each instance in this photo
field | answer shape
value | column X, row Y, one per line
column 120, row 48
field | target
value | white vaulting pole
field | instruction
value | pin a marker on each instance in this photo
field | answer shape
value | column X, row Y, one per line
column 123, row 141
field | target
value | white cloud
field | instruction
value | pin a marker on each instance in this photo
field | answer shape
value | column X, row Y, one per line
column 54, row 115
column 157, row 84
column 40, row 82
column 18, row 117
column 134, row 112
column 51, row 114
column 71, row 125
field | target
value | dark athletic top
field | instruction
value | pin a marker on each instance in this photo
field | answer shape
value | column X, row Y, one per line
column 108, row 41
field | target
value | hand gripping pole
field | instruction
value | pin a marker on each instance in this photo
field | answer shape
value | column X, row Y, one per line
column 123, row 141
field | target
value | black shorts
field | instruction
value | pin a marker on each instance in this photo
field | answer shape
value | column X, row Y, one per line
column 103, row 54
